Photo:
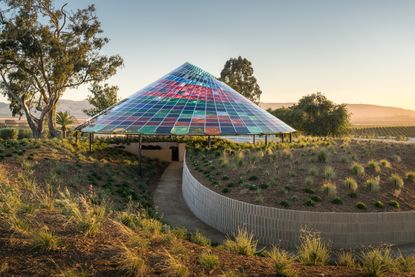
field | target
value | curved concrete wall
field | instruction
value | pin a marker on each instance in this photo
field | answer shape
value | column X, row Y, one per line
column 282, row 226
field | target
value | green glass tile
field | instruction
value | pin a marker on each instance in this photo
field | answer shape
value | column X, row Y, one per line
column 147, row 130
column 180, row 130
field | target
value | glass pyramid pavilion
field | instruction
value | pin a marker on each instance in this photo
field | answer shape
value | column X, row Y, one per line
column 187, row 101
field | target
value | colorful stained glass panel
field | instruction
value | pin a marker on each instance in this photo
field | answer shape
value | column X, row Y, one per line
column 187, row 101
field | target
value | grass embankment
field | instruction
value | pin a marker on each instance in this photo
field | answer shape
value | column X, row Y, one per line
column 312, row 174
column 65, row 212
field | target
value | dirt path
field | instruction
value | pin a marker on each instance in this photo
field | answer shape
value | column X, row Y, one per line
column 169, row 201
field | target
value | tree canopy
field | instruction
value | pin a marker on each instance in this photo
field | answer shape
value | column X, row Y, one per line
column 44, row 50
column 316, row 115
column 238, row 73
column 101, row 98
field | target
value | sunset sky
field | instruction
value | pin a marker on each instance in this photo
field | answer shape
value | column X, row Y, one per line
column 353, row 51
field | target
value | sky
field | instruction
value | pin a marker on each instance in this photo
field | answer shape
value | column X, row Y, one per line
column 354, row 51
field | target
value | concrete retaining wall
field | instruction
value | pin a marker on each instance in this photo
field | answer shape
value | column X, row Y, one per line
column 282, row 226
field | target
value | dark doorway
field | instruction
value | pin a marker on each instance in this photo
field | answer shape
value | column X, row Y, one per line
column 174, row 153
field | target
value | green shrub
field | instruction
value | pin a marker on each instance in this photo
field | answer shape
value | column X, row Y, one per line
column 243, row 243
column 352, row 194
column 397, row 158
column 394, row 203
column 309, row 203
column 313, row 171
column 361, row 206
column 337, row 200
column 132, row 261
column 308, row 190
column 374, row 166
column 8, row 133
column 231, row 185
column 351, row 184
column 410, row 176
column 263, row 186
column 252, row 187
column 284, row 204
column 312, row 250
column 385, row 163
column 329, row 188
column 200, row 238
column 373, row 183
column 308, row 181
column 44, row 239
column 322, row 155
column 379, row 204
column 84, row 212
column 225, row 190
column 208, row 261
column 405, row 264
column 347, row 259
column 175, row 266
column 316, row 198
column 396, row 181
column 151, row 226
column 253, row 178
column 377, row 262
column 129, row 219
column 283, row 262
column 357, row 169
column 329, row 172
column 180, row 232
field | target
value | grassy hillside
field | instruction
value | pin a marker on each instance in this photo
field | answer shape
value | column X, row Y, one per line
column 65, row 212
column 314, row 175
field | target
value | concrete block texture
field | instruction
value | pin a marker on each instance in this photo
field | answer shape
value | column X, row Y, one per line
column 282, row 226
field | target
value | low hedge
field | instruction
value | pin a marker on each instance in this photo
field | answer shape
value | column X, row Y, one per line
column 25, row 133
column 9, row 133
column 12, row 133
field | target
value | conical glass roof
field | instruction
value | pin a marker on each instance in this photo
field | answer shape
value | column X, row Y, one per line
column 187, row 101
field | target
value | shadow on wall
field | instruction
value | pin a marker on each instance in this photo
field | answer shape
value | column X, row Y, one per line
column 163, row 151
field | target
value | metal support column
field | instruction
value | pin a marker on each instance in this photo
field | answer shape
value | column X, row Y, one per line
column 291, row 137
column 209, row 142
column 282, row 137
column 266, row 140
column 91, row 140
column 253, row 139
column 140, row 168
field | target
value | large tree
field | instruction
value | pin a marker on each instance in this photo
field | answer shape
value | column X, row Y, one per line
column 45, row 50
column 102, row 97
column 316, row 115
column 239, row 75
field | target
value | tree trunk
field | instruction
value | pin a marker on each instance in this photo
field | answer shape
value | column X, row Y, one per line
column 63, row 132
column 36, row 125
column 52, row 123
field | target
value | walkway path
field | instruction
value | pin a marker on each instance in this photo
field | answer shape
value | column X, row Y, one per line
column 169, row 201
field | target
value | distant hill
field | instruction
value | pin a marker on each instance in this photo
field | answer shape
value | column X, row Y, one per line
column 366, row 114
column 74, row 107
column 362, row 114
